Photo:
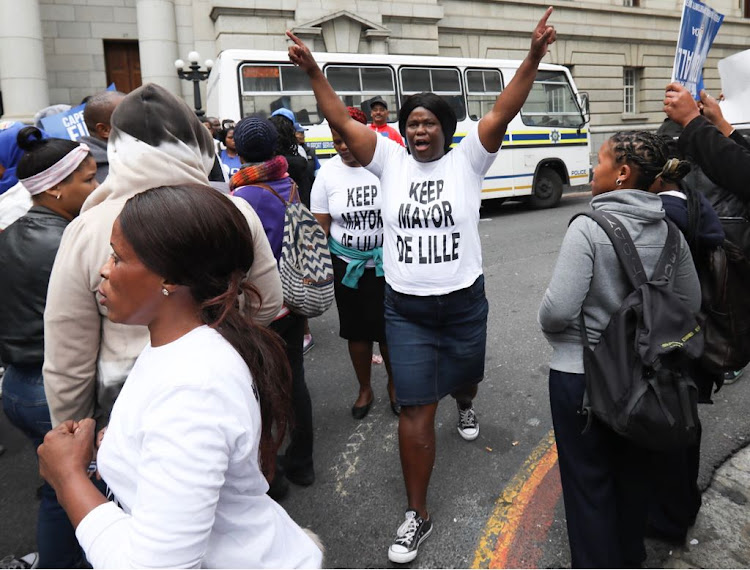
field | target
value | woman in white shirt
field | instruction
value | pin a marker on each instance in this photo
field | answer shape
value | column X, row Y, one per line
column 345, row 199
column 435, row 306
column 193, row 435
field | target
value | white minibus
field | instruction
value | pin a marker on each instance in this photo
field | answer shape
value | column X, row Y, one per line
column 546, row 146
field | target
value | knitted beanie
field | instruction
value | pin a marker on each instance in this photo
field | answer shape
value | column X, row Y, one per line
column 255, row 139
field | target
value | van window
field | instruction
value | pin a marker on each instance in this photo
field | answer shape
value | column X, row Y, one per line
column 267, row 87
column 358, row 85
column 445, row 82
column 482, row 88
column 551, row 102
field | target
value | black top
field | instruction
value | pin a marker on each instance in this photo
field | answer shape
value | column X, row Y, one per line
column 27, row 251
column 725, row 162
column 709, row 232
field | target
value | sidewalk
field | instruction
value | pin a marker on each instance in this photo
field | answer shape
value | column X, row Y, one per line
column 721, row 535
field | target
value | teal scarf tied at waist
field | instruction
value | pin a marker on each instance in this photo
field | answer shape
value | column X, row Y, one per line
column 356, row 267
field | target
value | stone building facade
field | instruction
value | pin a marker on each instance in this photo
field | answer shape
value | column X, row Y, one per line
column 619, row 51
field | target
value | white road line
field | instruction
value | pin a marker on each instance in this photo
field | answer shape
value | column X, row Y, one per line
column 348, row 460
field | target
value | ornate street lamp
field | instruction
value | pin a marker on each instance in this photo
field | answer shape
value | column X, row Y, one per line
column 196, row 75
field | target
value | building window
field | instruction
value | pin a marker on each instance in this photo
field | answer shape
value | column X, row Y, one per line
column 746, row 11
column 631, row 3
column 630, row 90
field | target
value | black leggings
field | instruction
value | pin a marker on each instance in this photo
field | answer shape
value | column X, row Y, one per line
column 299, row 453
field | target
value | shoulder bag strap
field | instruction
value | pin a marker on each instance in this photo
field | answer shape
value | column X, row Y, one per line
column 271, row 190
column 294, row 193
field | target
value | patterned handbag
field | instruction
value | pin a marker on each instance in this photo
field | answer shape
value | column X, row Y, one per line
column 305, row 263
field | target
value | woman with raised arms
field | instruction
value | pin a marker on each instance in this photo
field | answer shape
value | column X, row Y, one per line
column 435, row 305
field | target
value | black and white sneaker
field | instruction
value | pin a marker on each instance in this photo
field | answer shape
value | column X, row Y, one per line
column 732, row 376
column 409, row 536
column 31, row 560
column 468, row 425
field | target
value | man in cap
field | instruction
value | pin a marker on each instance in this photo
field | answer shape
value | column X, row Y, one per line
column 306, row 151
column 379, row 114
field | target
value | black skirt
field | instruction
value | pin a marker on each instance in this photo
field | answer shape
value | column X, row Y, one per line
column 361, row 310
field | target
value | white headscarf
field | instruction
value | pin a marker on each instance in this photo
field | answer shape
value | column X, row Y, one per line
column 156, row 140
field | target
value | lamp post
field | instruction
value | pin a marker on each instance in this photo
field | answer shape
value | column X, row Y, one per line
column 196, row 75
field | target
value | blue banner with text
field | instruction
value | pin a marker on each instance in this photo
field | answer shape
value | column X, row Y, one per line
column 698, row 28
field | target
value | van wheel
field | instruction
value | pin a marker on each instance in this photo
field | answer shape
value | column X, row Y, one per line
column 548, row 187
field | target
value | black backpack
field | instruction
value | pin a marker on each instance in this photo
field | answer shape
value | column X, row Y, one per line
column 724, row 273
column 636, row 377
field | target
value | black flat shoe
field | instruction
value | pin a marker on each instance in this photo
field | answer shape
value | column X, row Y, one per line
column 359, row 412
column 279, row 487
column 303, row 478
column 396, row 409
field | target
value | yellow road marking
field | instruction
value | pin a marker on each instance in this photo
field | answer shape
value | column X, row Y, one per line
column 502, row 526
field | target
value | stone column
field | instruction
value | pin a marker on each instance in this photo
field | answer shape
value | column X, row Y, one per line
column 23, row 74
column 157, row 42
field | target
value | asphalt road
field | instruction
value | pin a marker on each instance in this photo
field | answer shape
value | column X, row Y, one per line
column 358, row 499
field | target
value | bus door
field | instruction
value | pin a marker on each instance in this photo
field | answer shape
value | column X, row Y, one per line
column 551, row 143
column 482, row 89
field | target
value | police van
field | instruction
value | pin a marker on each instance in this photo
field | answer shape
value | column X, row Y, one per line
column 546, row 146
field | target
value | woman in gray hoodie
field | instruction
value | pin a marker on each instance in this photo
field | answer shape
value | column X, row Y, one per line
column 604, row 476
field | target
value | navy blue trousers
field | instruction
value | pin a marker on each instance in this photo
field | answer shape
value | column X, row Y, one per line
column 605, row 482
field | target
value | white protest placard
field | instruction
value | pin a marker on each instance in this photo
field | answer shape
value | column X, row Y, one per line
column 735, row 85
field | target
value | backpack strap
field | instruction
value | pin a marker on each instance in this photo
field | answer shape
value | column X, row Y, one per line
column 623, row 244
column 693, row 216
column 628, row 254
column 670, row 255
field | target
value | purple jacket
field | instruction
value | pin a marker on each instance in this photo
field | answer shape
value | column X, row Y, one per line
column 269, row 208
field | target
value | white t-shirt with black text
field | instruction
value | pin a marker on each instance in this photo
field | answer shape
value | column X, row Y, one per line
column 352, row 197
column 430, row 215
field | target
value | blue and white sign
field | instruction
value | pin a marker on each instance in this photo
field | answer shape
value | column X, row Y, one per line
column 67, row 125
column 70, row 124
column 698, row 28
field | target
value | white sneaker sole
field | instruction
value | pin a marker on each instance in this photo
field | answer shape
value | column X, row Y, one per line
column 404, row 557
column 467, row 436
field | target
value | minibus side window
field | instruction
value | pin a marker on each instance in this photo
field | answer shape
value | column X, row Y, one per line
column 357, row 85
column 551, row 102
column 267, row 87
column 445, row 82
column 482, row 88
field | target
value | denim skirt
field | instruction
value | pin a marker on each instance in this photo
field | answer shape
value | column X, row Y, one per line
column 436, row 343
